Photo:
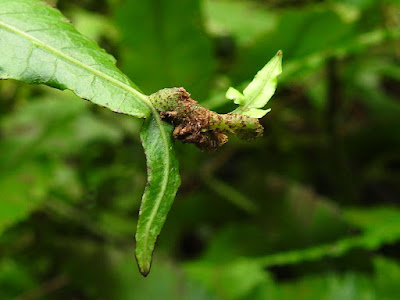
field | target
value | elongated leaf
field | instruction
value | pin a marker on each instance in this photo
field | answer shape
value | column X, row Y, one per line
column 38, row 45
column 257, row 94
column 163, row 182
column 378, row 231
column 263, row 86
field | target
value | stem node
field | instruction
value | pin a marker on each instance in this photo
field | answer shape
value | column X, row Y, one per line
column 200, row 126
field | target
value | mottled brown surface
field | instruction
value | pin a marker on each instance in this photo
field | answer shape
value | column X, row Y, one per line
column 198, row 125
column 192, row 125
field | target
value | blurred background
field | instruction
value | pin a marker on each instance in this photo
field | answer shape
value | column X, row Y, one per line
column 309, row 211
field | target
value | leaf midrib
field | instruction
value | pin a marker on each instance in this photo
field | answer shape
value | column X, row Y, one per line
column 143, row 98
column 163, row 188
column 261, row 88
column 139, row 95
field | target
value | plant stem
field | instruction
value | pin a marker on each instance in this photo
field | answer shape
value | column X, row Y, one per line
column 198, row 125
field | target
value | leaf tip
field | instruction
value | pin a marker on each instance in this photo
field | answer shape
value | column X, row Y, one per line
column 279, row 53
column 144, row 266
column 235, row 95
column 144, row 272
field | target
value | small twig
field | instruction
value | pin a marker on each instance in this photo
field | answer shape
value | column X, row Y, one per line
column 225, row 190
column 230, row 194
column 46, row 288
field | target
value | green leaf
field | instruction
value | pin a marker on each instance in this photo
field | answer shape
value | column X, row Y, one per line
column 236, row 96
column 17, row 201
column 162, row 185
column 256, row 112
column 378, row 231
column 233, row 280
column 38, row 45
column 372, row 218
column 257, row 94
column 164, row 52
column 382, row 283
column 244, row 20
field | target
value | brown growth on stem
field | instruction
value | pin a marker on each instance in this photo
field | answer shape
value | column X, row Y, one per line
column 192, row 124
column 200, row 126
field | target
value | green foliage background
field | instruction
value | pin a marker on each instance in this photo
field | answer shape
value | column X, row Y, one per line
column 309, row 211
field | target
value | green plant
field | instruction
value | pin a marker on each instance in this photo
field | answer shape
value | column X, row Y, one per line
column 39, row 46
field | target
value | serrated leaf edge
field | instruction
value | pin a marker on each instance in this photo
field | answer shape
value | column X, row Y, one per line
column 143, row 98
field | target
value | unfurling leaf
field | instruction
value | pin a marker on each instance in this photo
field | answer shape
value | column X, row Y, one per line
column 257, row 94
column 235, row 95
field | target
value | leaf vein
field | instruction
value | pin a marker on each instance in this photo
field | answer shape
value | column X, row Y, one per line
column 78, row 63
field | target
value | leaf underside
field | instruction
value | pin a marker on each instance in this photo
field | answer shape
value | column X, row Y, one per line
column 163, row 183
